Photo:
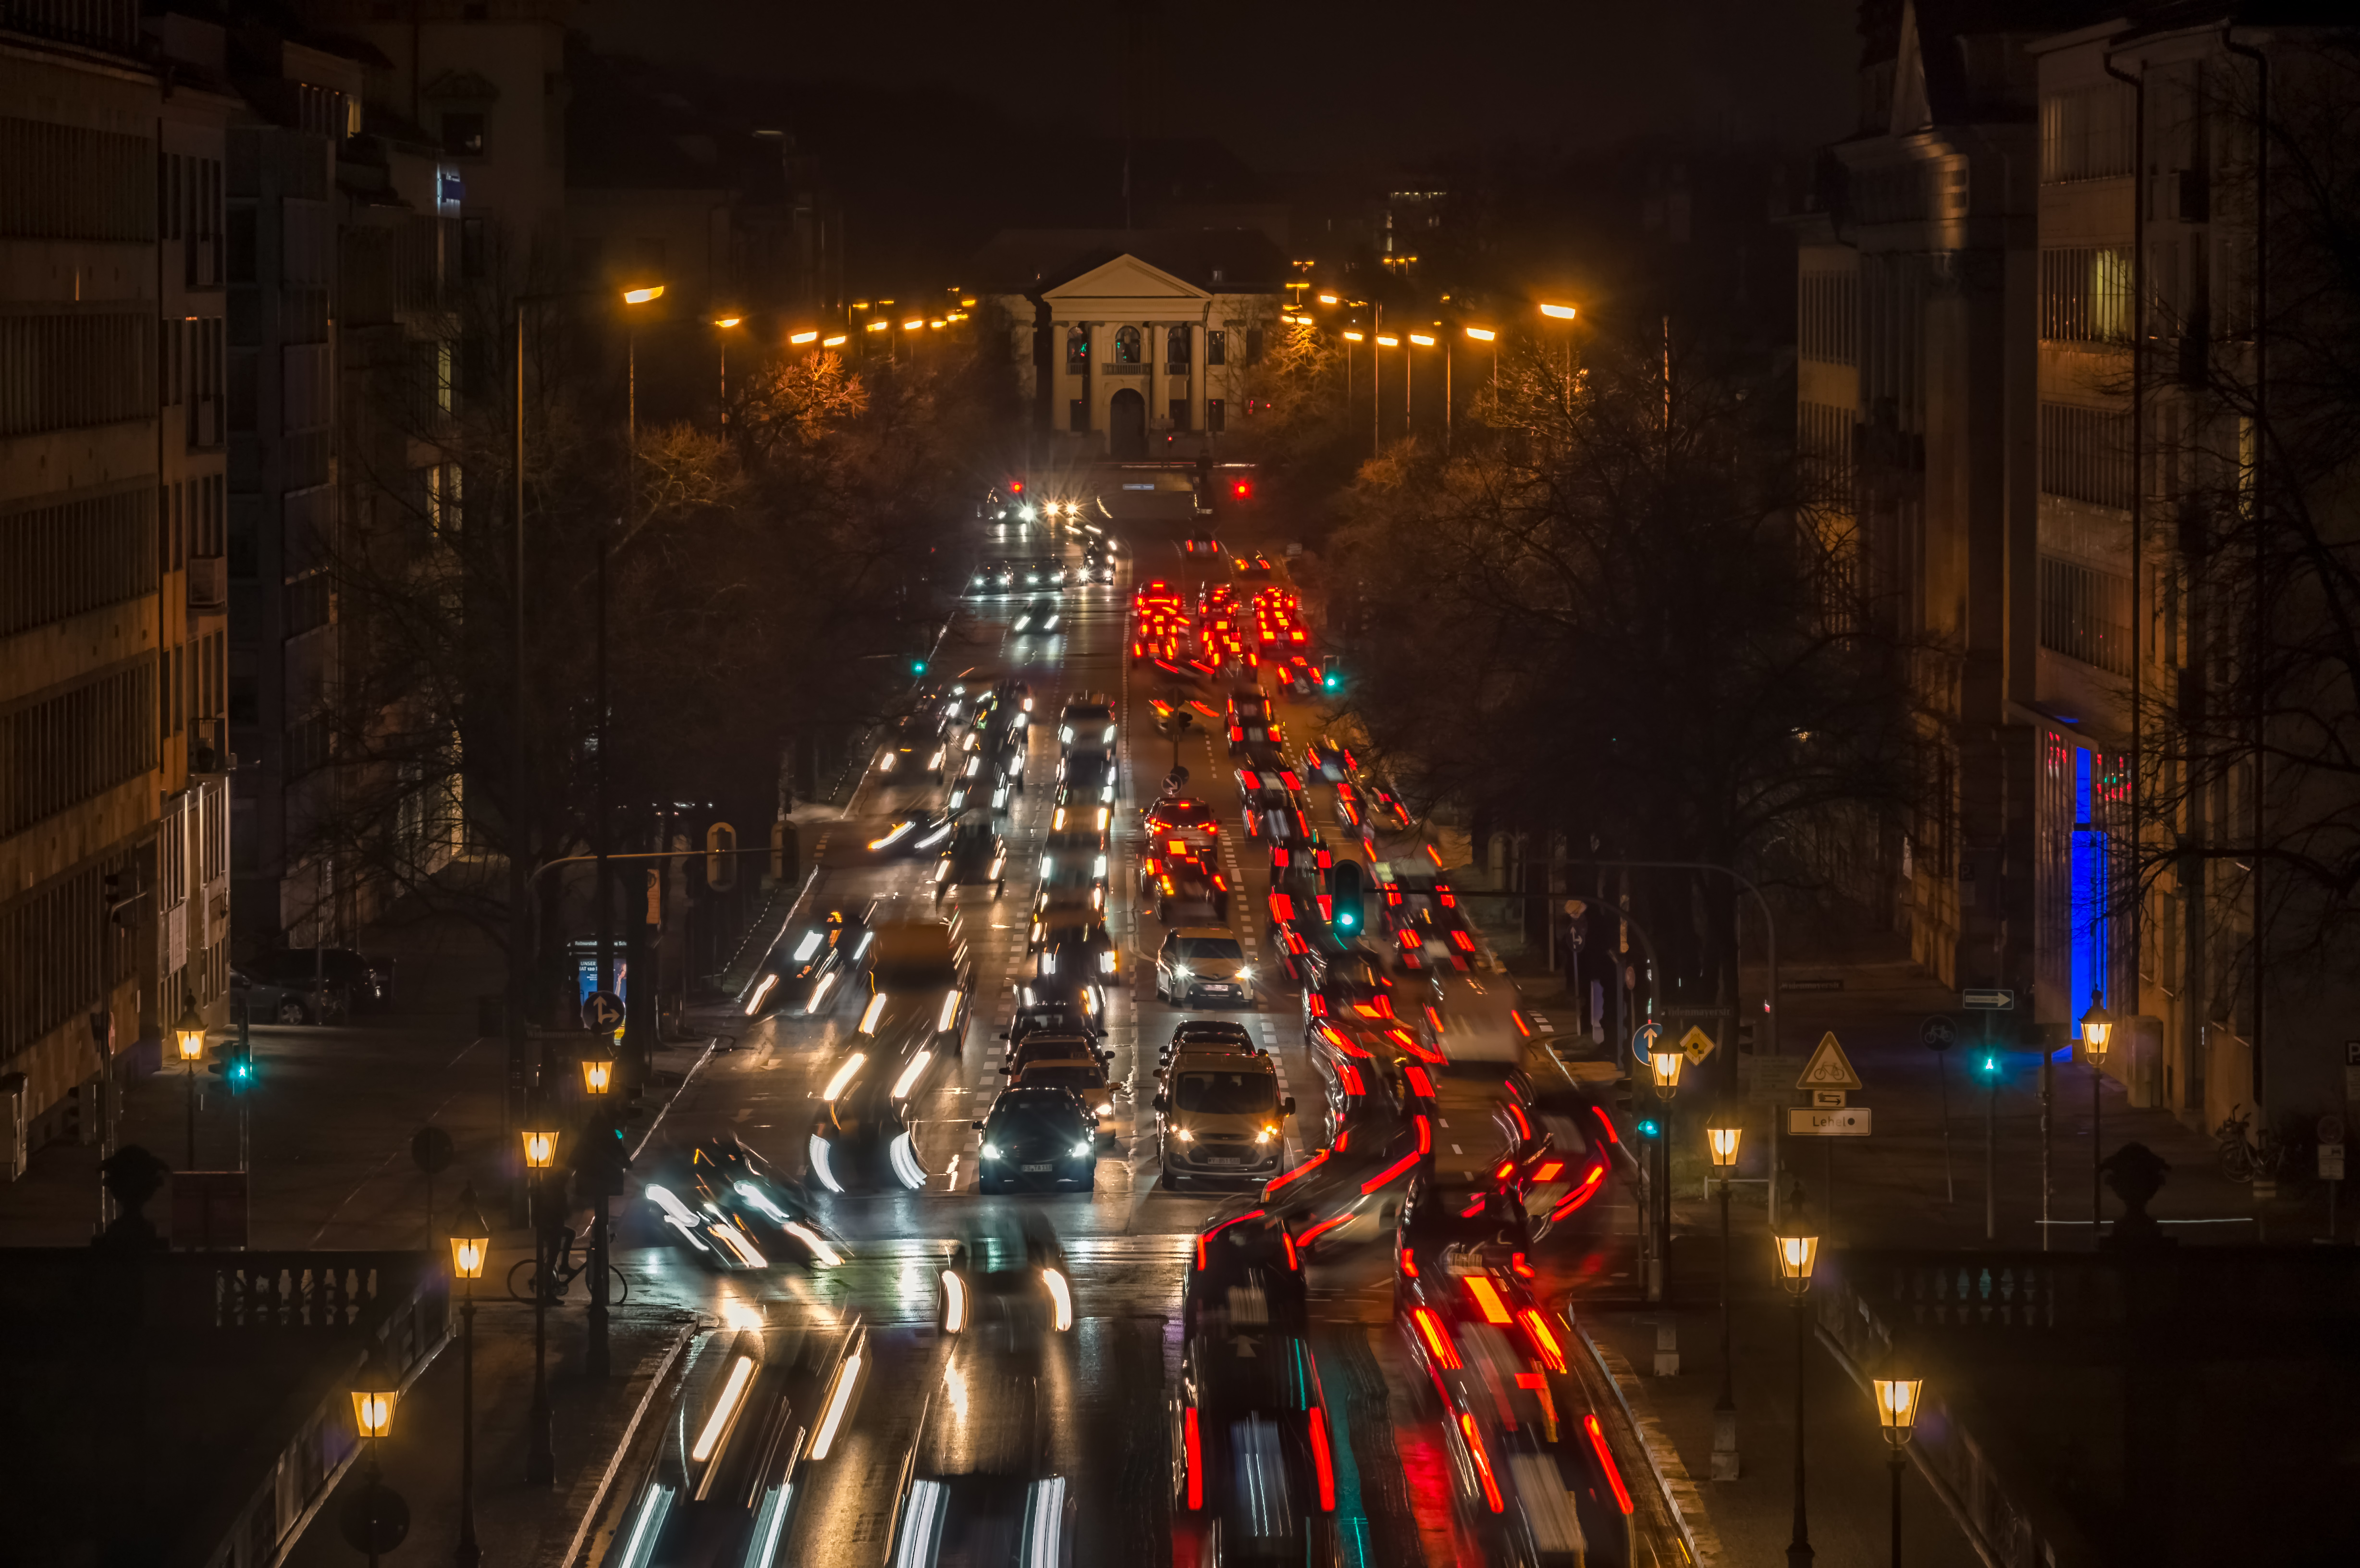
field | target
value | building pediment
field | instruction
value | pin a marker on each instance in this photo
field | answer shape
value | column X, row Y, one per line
column 1126, row 277
column 461, row 86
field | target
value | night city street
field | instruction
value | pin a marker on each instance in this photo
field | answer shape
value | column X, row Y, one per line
column 1095, row 787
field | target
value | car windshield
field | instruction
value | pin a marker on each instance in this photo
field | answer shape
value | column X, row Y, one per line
column 1206, row 947
column 1184, row 811
column 1086, row 768
column 1228, row 1094
column 1084, row 713
column 1039, row 1116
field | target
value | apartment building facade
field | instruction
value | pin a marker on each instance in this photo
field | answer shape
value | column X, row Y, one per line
column 113, row 828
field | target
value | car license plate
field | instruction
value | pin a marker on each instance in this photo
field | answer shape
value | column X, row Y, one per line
column 1041, row 1167
column 1225, row 1160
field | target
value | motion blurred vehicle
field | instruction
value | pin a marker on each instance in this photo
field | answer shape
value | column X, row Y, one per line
column 1079, row 820
column 918, row 747
column 1254, row 564
column 1050, row 1018
column 1423, row 915
column 1053, row 1045
column 1038, row 1139
column 974, row 856
column 755, row 1406
column 1036, row 573
column 1346, row 982
column 1203, row 963
column 1010, row 1276
column 1221, row 1116
column 1075, row 949
column 1252, row 1448
column 1089, row 770
column 1331, row 760
column 1085, row 722
column 920, row 981
column 1199, row 547
column 1038, row 618
column 1070, row 879
column 808, row 973
column 913, row 832
column 993, row 577
column 734, row 1212
column 1098, row 564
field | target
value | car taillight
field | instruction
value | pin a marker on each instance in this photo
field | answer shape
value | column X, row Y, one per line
column 1437, row 1337
column 1319, row 1456
column 1195, row 1459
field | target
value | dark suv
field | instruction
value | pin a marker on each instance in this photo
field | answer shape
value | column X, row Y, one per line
column 306, row 984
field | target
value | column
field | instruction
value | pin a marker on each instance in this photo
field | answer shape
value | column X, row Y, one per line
column 1094, row 386
column 1150, row 348
column 1197, row 373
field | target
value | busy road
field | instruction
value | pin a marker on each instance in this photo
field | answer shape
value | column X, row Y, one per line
column 1143, row 1282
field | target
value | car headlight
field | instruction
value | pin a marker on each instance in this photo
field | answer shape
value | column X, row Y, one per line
column 1181, row 972
column 1184, row 1134
column 1106, row 1108
column 1082, row 1150
column 991, row 1152
column 1265, row 1135
column 1246, row 972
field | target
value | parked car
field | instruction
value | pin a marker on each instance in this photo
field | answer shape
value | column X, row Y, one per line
column 367, row 982
column 292, row 1001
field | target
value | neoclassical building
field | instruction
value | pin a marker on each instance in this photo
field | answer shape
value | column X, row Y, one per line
column 1121, row 340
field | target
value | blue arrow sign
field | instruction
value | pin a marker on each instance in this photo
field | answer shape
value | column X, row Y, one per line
column 1642, row 1041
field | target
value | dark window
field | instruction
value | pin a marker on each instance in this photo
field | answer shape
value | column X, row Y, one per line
column 471, row 248
column 1077, row 416
column 1253, row 345
column 241, row 244
column 1126, row 345
column 1175, row 345
column 463, row 134
column 1217, row 348
column 1216, row 418
column 1179, row 413
column 1077, row 349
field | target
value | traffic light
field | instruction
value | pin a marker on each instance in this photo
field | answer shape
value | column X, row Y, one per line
column 1648, row 1128
column 779, row 850
column 1347, row 890
column 1241, row 488
column 231, row 1062
column 721, row 856
column 917, row 667
column 115, row 891
column 1331, row 675
column 604, row 1162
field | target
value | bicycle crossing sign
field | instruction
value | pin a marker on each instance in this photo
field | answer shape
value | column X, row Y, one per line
column 1829, row 1067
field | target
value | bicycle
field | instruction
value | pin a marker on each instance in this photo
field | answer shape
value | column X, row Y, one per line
column 2238, row 1152
column 522, row 1277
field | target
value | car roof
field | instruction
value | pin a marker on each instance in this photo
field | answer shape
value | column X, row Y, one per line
column 1192, row 1029
column 1220, row 1062
column 1202, row 931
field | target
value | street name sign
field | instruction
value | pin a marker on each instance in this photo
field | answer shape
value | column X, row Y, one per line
column 1990, row 1000
column 1829, row 1067
column 1821, row 1121
column 1696, row 1045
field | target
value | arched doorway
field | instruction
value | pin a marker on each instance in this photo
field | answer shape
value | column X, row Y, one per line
column 1127, row 425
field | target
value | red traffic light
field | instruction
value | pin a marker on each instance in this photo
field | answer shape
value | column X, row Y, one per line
column 1016, row 486
column 1241, row 489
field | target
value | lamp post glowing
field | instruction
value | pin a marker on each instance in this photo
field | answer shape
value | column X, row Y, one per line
column 1664, row 1066
column 540, row 1159
column 725, row 323
column 597, row 1076
column 1896, row 1419
column 605, row 877
column 471, row 1249
column 1722, row 1135
column 1798, row 1250
column 373, row 1404
column 1558, row 312
column 2097, row 1033
column 189, row 1037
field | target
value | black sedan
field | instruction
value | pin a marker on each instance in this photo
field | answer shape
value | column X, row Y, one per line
column 974, row 856
column 1037, row 1139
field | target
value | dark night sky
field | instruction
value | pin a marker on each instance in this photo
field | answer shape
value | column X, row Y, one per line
column 1355, row 90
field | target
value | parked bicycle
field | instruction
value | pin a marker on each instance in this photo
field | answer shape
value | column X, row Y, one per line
column 563, row 1271
column 2239, row 1153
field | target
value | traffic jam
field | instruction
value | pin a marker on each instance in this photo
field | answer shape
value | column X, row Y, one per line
column 1050, row 999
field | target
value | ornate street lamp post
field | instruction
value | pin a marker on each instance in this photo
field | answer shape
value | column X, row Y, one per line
column 189, row 1037
column 1797, row 1251
column 2097, row 1033
column 597, row 1078
column 1896, row 1417
column 540, row 1160
column 1722, row 1135
column 471, row 1246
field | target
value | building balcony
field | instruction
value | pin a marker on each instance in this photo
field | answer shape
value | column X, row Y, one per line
column 208, row 582
column 1176, row 368
column 1112, row 368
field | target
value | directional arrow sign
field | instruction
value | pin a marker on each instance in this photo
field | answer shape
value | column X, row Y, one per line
column 1829, row 1068
column 602, row 1012
column 1988, row 1000
column 1643, row 1041
column 1696, row 1045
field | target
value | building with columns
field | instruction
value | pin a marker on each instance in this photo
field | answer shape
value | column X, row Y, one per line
column 1126, row 343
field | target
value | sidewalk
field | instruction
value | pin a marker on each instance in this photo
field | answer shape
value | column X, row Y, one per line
column 517, row 1525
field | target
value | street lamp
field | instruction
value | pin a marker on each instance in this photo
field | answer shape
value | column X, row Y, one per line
column 725, row 324
column 597, row 1076
column 471, row 1247
column 1722, row 1134
column 189, row 1035
column 2097, row 1032
column 1664, row 1067
column 1798, row 1250
column 540, row 1159
column 1896, row 1419
column 373, row 1404
column 1558, row 312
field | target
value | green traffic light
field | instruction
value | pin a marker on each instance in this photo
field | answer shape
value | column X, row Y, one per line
column 917, row 667
column 1647, row 1129
column 1332, row 681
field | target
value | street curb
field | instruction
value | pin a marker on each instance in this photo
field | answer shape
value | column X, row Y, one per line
column 1672, row 1480
column 596, row 1504
column 1940, row 1487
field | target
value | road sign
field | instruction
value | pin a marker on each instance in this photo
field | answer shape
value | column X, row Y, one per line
column 2331, row 1162
column 1989, row 1000
column 1643, row 1041
column 1817, row 1121
column 602, row 1012
column 1829, row 1099
column 1696, row 1045
column 1829, row 1067
column 1938, row 1033
column 431, row 1150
